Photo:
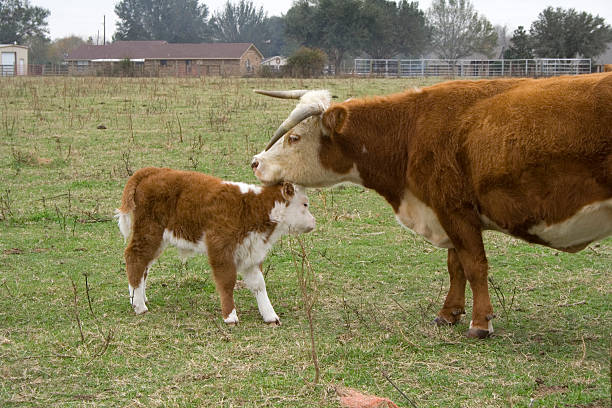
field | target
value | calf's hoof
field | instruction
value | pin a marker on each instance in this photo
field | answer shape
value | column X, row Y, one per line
column 140, row 309
column 274, row 323
column 232, row 319
column 272, row 320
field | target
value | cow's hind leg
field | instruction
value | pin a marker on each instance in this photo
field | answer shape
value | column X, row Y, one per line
column 454, row 305
column 463, row 228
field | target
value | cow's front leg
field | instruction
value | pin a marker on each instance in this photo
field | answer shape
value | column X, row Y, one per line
column 254, row 280
column 465, row 232
column 454, row 305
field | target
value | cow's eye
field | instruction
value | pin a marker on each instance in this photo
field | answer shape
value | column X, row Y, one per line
column 293, row 138
column 306, row 205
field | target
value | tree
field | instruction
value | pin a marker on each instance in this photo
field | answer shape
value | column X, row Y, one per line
column 382, row 40
column 175, row 21
column 21, row 23
column 241, row 22
column 273, row 40
column 39, row 51
column 338, row 27
column 458, row 30
column 414, row 35
column 395, row 28
column 503, row 39
column 559, row 33
column 520, row 45
column 61, row 47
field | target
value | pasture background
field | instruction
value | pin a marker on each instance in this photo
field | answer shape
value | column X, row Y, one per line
column 379, row 286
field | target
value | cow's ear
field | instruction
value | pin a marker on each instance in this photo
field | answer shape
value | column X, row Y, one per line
column 334, row 118
column 287, row 191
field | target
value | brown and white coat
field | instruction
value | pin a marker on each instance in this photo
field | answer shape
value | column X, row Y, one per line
column 528, row 157
column 235, row 224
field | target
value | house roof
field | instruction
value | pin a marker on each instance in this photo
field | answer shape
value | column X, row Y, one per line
column 13, row 45
column 160, row 50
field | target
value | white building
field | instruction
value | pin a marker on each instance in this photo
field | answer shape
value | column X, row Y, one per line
column 275, row 62
column 13, row 59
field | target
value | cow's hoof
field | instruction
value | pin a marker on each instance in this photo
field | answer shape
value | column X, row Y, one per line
column 476, row 333
column 449, row 316
column 440, row 321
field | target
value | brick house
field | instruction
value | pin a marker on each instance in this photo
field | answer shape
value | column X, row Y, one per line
column 159, row 58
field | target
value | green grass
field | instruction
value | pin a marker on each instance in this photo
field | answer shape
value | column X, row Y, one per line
column 379, row 286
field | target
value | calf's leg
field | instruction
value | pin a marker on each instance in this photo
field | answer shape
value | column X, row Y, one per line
column 454, row 305
column 254, row 280
column 224, row 273
column 139, row 255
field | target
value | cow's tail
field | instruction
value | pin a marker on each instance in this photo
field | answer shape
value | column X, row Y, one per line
column 124, row 213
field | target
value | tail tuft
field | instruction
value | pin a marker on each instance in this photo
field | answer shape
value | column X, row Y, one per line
column 125, row 223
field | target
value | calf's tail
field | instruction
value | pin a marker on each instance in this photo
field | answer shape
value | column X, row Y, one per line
column 124, row 213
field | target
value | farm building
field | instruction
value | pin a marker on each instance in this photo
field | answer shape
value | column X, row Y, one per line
column 13, row 59
column 159, row 58
column 275, row 62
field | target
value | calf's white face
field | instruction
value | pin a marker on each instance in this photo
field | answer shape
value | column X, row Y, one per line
column 295, row 215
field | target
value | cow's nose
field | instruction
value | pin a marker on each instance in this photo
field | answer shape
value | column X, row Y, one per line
column 254, row 164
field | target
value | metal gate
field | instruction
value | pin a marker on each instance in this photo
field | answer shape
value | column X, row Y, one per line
column 472, row 68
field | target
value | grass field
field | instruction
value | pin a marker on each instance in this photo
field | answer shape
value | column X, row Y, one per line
column 67, row 146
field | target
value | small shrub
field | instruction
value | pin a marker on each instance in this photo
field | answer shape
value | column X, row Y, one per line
column 266, row 71
column 306, row 63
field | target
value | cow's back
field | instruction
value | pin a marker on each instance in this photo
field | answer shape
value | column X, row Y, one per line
column 541, row 151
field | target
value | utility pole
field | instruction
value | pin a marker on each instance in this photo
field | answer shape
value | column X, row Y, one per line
column 104, row 43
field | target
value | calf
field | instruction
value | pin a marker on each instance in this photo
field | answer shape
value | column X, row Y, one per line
column 235, row 224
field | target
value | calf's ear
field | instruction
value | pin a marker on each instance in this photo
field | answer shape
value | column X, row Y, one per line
column 288, row 190
column 334, row 118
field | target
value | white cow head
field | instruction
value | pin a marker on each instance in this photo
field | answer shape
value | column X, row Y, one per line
column 302, row 150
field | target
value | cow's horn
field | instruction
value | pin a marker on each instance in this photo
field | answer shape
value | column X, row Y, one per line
column 298, row 115
column 297, row 94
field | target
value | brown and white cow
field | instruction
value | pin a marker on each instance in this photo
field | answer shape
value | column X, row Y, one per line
column 235, row 224
column 528, row 157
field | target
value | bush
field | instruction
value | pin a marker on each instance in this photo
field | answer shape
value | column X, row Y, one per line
column 266, row 71
column 306, row 63
column 125, row 68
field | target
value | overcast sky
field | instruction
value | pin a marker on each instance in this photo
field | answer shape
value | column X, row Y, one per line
column 84, row 17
